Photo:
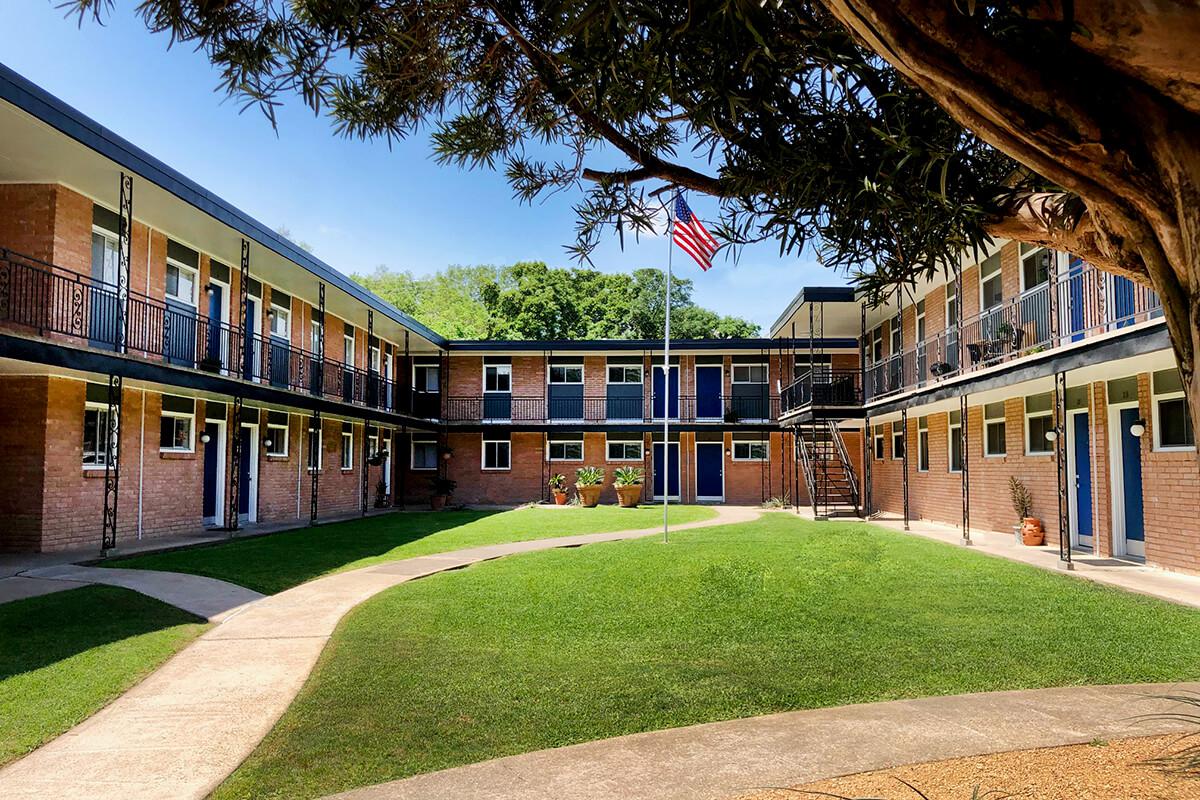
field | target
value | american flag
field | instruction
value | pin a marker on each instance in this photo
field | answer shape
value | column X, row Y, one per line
column 690, row 234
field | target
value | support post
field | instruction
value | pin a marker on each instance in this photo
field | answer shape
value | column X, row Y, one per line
column 320, row 378
column 964, row 438
column 243, row 301
column 124, row 263
column 232, row 507
column 904, row 444
column 868, row 457
column 365, row 483
column 959, row 345
column 1052, row 286
column 1060, row 459
column 315, row 425
column 112, row 471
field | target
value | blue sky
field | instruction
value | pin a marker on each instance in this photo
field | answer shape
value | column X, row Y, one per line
column 358, row 204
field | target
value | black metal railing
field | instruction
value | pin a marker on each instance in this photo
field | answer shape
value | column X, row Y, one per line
column 824, row 388
column 49, row 301
column 502, row 407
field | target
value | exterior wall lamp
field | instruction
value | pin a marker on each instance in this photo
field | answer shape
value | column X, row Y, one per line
column 728, row 452
column 209, row 290
column 1138, row 428
column 205, row 438
column 1051, row 435
column 267, row 443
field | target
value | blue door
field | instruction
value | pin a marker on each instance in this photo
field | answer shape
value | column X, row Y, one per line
column 215, row 354
column 1083, row 480
column 250, row 344
column 497, row 405
column 672, row 470
column 1123, row 301
column 179, row 334
column 1075, row 287
column 211, row 475
column 672, row 398
column 1131, row 484
column 710, row 463
column 245, row 472
column 281, row 366
column 708, row 393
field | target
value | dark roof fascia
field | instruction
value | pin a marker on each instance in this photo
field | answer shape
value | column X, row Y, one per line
column 614, row 427
column 42, row 105
column 817, row 294
column 656, row 345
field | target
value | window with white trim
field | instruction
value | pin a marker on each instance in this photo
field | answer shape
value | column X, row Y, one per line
column 951, row 304
column 315, row 337
column 897, row 441
column 181, row 283
column 348, row 349
column 749, row 373
column 1039, row 419
column 95, row 426
column 373, row 445
column 923, row 444
column 954, row 463
column 995, row 430
column 991, row 287
column 1035, row 266
column 750, row 451
column 497, row 454
column 424, row 454
column 624, row 373
column 177, row 424
column 427, row 378
column 105, row 258
column 281, row 322
column 315, row 441
column 277, row 434
column 564, row 450
column 624, row 449
column 497, row 378
column 347, row 451
column 1172, row 423
column 566, row 373
column 875, row 353
column 879, row 447
column 895, row 331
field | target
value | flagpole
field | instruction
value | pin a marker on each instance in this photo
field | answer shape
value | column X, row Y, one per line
column 666, row 478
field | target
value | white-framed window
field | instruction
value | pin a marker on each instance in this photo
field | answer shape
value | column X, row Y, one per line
column 566, row 373
column 277, row 434
column 564, row 450
column 991, row 288
column 105, row 255
column 181, row 282
column 497, row 378
column 624, row 449
column 1039, row 418
column 177, row 425
column 373, row 445
column 1035, row 266
column 374, row 358
column 749, row 373
column 750, row 451
column 954, row 463
column 895, row 330
column 95, row 425
column 497, row 454
column 427, row 378
column 424, row 454
column 923, row 444
column 995, row 430
column 315, row 337
column 1172, row 423
column 920, row 320
column 897, row 441
column 315, row 442
column 347, row 451
column 951, row 303
column 876, row 351
column 281, row 322
column 348, row 349
column 878, row 441
column 624, row 373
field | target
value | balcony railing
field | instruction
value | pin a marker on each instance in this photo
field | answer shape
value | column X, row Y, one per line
column 505, row 408
column 51, row 302
column 823, row 388
column 1086, row 302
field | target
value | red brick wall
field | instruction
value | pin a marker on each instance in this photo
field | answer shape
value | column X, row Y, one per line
column 23, row 403
column 1170, row 497
column 278, row 475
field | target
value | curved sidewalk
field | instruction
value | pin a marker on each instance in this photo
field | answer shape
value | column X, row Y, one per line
column 729, row 759
column 182, row 730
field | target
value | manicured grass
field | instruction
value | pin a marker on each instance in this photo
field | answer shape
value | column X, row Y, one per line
column 556, row 647
column 64, row 656
column 273, row 563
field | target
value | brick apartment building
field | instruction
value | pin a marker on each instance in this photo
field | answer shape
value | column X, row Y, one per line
column 169, row 364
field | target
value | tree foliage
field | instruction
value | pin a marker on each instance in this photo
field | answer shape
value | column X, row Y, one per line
column 529, row 300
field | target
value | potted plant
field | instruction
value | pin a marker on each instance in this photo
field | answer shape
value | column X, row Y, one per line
column 628, row 481
column 1022, row 503
column 588, row 483
column 380, row 494
column 558, row 487
column 442, row 489
column 732, row 416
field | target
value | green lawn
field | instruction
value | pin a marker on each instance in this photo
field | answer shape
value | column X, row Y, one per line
column 64, row 656
column 280, row 561
column 556, row 647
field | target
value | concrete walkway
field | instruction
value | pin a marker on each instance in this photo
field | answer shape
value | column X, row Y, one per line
column 1129, row 575
column 208, row 598
column 181, row 731
column 729, row 759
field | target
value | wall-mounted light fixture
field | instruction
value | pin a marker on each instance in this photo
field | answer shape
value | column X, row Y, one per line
column 267, row 443
column 728, row 452
column 205, row 438
column 1051, row 435
column 1138, row 427
column 210, row 290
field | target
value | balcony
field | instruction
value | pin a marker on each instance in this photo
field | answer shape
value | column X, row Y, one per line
column 1084, row 302
column 817, row 389
column 506, row 409
column 53, row 303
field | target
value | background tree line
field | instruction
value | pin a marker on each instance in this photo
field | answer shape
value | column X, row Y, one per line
column 529, row 300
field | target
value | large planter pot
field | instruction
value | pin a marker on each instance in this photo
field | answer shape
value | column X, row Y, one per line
column 589, row 496
column 628, row 496
column 560, row 498
column 1031, row 532
column 437, row 501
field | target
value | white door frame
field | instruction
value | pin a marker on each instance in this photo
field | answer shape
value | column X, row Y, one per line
column 1116, row 477
column 252, row 512
column 667, row 475
column 219, row 514
column 1073, row 493
column 696, row 461
column 254, row 312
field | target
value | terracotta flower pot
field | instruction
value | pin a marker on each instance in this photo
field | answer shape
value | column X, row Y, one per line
column 1031, row 532
column 628, row 496
column 589, row 496
column 437, row 501
column 560, row 498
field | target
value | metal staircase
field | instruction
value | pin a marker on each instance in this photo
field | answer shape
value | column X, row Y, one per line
column 828, row 474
